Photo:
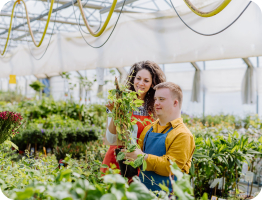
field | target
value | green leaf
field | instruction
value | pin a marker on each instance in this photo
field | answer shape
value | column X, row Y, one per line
column 234, row 149
column 192, row 169
column 144, row 165
column 120, row 156
column 251, row 151
column 26, row 194
column 141, row 191
column 104, row 166
column 218, row 170
column 109, row 197
column 260, row 139
column 163, row 187
column 11, row 144
column 221, row 148
column 204, row 197
column 138, row 162
column 229, row 138
column 131, row 147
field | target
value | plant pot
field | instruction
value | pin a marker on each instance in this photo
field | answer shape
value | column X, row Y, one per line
column 21, row 152
column 126, row 170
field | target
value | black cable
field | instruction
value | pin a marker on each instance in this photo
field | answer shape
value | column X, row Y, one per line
column 212, row 33
column 48, row 41
column 100, row 23
column 110, row 33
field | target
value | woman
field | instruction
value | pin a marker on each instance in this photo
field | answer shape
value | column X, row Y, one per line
column 143, row 76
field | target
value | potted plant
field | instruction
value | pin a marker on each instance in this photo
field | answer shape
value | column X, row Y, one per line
column 10, row 122
column 125, row 102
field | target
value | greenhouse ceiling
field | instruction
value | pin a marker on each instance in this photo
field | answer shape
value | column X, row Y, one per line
column 65, row 21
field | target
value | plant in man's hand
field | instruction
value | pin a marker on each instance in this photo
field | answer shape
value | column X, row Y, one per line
column 125, row 102
column 10, row 122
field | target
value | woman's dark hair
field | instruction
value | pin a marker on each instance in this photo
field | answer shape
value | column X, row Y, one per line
column 157, row 75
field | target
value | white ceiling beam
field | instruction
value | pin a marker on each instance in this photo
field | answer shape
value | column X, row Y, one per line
column 52, row 20
column 89, row 5
column 118, row 5
column 22, row 30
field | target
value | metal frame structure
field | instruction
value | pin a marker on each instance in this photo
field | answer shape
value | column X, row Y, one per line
column 95, row 10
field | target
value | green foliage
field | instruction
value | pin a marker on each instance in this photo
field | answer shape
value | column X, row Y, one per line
column 47, row 107
column 54, row 121
column 114, row 187
column 125, row 102
column 37, row 86
column 10, row 97
column 55, row 136
column 75, row 149
column 42, row 179
column 221, row 155
column 10, row 122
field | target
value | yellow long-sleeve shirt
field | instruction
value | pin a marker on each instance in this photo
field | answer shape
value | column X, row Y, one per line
column 179, row 143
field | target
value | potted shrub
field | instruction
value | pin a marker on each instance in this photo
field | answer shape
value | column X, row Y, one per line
column 125, row 101
column 10, row 122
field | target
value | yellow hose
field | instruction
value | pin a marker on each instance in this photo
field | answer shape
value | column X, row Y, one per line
column 106, row 22
column 29, row 26
column 46, row 26
column 207, row 14
column 10, row 29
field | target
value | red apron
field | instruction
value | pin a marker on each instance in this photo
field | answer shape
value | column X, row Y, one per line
column 110, row 157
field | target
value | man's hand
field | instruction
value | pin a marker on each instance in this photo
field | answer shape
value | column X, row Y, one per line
column 133, row 155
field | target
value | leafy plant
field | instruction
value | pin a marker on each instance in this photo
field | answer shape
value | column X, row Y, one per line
column 220, row 157
column 10, row 122
column 39, row 137
column 125, row 102
column 73, row 182
column 37, row 86
column 10, row 97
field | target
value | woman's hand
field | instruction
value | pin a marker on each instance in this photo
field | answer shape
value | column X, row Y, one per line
column 110, row 106
column 133, row 155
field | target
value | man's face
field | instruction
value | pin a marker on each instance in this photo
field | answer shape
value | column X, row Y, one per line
column 164, row 102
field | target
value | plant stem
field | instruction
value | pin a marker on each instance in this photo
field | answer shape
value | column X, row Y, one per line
column 252, row 166
column 236, row 187
column 223, row 181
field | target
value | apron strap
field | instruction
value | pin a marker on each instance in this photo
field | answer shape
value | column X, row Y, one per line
column 147, row 134
column 145, row 139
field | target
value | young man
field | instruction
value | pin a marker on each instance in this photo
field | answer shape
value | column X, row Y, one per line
column 166, row 139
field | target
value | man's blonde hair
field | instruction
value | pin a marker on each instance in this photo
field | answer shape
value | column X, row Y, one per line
column 175, row 90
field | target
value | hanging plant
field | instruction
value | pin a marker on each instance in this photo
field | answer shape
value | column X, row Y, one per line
column 37, row 86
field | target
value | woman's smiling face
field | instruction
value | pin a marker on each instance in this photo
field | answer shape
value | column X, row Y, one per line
column 143, row 81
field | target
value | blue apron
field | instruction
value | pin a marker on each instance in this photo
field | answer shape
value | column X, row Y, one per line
column 154, row 143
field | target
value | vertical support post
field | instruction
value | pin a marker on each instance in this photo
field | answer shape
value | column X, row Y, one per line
column 25, row 86
column 257, row 89
column 8, row 85
column 204, row 92
column 16, row 85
